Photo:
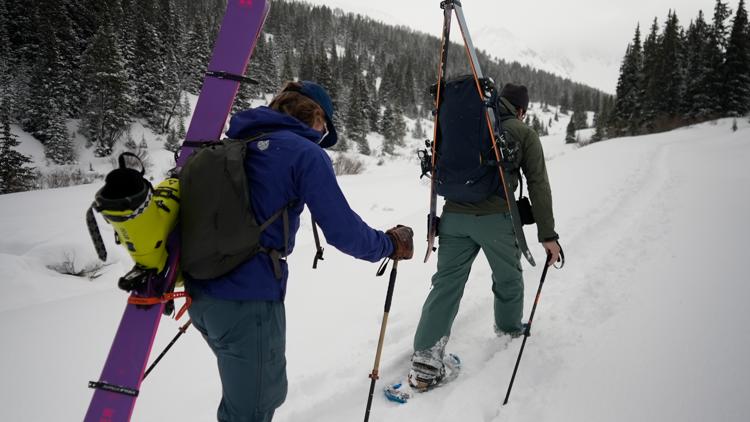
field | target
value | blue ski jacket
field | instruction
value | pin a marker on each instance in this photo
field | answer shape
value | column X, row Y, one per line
column 288, row 166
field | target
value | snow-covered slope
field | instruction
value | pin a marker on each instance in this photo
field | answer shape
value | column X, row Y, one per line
column 647, row 321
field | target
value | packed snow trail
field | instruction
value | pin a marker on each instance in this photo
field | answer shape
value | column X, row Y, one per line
column 646, row 322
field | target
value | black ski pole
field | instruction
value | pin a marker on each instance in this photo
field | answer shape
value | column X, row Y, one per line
column 166, row 349
column 374, row 374
column 527, row 331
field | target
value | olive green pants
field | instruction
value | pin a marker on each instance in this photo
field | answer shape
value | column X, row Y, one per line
column 461, row 238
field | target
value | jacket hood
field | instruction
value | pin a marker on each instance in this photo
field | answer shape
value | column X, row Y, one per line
column 506, row 108
column 254, row 121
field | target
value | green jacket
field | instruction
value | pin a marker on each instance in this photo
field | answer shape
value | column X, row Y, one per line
column 535, row 171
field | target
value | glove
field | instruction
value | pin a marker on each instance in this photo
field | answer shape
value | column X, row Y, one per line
column 403, row 242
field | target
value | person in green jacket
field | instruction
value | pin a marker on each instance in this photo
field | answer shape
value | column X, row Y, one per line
column 465, row 228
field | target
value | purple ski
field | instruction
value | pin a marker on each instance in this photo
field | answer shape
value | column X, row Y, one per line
column 120, row 382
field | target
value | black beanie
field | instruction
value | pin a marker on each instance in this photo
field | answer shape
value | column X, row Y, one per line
column 518, row 95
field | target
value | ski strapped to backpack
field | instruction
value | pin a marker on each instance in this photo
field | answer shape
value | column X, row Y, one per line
column 476, row 178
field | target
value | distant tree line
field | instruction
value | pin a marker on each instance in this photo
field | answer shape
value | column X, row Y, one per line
column 677, row 77
column 107, row 63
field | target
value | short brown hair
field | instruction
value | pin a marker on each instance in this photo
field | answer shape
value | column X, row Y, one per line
column 293, row 103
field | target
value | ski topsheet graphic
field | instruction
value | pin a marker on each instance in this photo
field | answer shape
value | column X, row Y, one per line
column 119, row 385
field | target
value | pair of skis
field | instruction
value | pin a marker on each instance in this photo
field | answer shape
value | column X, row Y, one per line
column 118, row 386
column 495, row 129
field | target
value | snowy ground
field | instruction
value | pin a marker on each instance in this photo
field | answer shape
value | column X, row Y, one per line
column 647, row 321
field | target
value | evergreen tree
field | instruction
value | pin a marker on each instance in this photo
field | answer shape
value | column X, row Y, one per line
column 737, row 65
column 418, row 131
column 717, row 43
column 393, row 128
column 198, row 55
column 626, row 115
column 697, row 99
column 172, row 143
column 105, row 114
column 58, row 147
column 287, row 70
column 15, row 175
column 670, row 75
column 570, row 132
column 356, row 118
column 150, row 88
column 649, row 80
column 46, row 89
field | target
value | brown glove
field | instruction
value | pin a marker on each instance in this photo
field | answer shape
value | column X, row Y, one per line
column 403, row 242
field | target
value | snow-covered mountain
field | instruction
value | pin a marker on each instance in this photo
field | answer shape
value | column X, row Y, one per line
column 646, row 322
column 588, row 68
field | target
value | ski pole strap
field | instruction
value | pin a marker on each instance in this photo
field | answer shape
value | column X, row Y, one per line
column 230, row 76
column 383, row 266
column 101, row 385
column 561, row 260
column 138, row 300
column 96, row 236
column 318, row 248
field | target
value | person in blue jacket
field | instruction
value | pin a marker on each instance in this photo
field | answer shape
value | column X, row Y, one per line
column 241, row 315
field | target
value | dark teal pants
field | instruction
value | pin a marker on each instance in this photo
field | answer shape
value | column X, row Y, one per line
column 461, row 238
column 248, row 339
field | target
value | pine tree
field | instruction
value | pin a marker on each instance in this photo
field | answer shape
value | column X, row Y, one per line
column 172, row 143
column 570, row 132
column 105, row 114
column 670, row 75
column 697, row 99
column 393, row 128
column 15, row 175
column 356, row 120
column 387, row 129
column 418, row 131
column 649, row 81
column 199, row 54
column 737, row 65
column 717, row 43
column 58, row 146
column 150, row 88
column 626, row 115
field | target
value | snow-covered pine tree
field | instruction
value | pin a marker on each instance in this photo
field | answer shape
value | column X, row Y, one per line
column 649, row 80
column 199, row 54
column 696, row 100
column 715, row 53
column 393, row 128
column 15, row 174
column 149, row 68
column 105, row 114
column 737, row 65
column 418, row 131
column 570, row 132
column 173, row 141
column 58, row 146
column 356, row 118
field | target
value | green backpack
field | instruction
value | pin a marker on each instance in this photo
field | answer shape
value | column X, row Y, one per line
column 218, row 226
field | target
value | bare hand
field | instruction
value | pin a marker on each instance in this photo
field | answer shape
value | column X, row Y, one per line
column 553, row 251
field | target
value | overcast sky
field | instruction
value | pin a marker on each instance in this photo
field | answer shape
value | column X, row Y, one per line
column 575, row 29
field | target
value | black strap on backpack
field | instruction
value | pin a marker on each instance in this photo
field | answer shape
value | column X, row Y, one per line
column 318, row 248
column 275, row 254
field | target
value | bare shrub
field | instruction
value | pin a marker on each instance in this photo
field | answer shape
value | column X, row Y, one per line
column 65, row 176
column 344, row 164
column 67, row 266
